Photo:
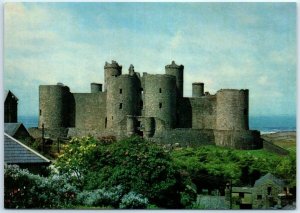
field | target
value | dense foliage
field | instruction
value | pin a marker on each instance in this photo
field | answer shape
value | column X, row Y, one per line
column 135, row 164
column 134, row 173
column 210, row 167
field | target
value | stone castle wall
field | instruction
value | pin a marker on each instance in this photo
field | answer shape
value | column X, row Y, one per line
column 123, row 98
column 90, row 110
column 160, row 98
column 232, row 109
column 152, row 106
column 54, row 106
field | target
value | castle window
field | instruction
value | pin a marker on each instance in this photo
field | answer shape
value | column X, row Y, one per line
column 160, row 105
column 259, row 197
column 141, row 104
column 120, row 106
column 142, row 91
column 40, row 112
column 112, row 117
column 121, row 91
column 159, row 90
column 105, row 123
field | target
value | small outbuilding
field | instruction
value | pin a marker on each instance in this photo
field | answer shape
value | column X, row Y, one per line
column 15, row 152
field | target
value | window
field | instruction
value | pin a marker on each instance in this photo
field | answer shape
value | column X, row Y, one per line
column 141, row 104
column 120, row 106
column 121, row 91
column 40, row 112
column 112, row 117
column 259, row 197
column 160, row 105
column 241, row 194
column 159, row 90
column 105, row 123
column 142, row 91
column 269, row 190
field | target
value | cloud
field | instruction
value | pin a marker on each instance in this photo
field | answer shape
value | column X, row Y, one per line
column 233, row 47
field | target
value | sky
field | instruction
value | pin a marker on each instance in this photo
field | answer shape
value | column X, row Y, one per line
column 225, row 45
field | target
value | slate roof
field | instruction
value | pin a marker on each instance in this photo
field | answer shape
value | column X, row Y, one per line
column 267, row 177
column 12, row 128
column 16, row 152
column 6, row 92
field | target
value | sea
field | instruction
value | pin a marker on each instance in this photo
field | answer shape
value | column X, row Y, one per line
column 265, row 124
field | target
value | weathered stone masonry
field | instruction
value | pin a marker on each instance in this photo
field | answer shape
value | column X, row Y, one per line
column 152, row 106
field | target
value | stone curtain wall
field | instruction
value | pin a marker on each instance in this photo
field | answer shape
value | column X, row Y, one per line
column 90, row 110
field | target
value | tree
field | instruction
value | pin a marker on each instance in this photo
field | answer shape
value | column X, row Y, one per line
column 135, row 164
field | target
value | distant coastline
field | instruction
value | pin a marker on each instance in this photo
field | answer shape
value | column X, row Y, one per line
column 265, row 124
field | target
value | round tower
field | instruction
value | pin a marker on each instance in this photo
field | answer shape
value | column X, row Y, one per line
column 110, row 70
column 198, row 89
column 123, row 96
column 95, row 88
column 232, row 109
column 160, row 98
column 177, row 71
column 53, row 111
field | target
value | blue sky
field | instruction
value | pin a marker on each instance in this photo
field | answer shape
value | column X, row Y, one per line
column 225, row 45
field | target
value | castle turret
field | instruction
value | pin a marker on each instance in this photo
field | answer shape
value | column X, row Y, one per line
column 95, row 88
column 111, row 70
column 123, row 97
column 232, row 109
column 177, row 71
column 198, row 89
column 53, row 106
column 160, row 98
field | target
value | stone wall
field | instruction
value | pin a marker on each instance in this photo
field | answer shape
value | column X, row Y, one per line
column 123, row 98
column 185, row 137
column 160, row 98
column 55, row 106
column 90, row 110
column 232, row 109
column 274, row 148
column 238, row 139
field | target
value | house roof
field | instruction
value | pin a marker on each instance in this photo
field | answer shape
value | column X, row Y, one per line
column 15, row 152
column 12, row 128
column 7, row 92
column 268, row 177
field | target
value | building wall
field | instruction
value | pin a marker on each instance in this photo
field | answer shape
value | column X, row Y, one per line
column 267, row 200
column 90, row 110
column 54, row 106
column 160, row 98
column 111, row 70
column 232, row 109
column 123, row 98
column 177, row 71
column 238, row 139
column 10, row 109
column 185, row 137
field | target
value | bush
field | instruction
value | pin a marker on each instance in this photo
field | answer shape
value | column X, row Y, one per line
column 25, row 190
column 133, row 200
column 138, row 165
column 101, row 197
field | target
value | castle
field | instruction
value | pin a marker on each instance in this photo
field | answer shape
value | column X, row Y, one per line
column 152, row 106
